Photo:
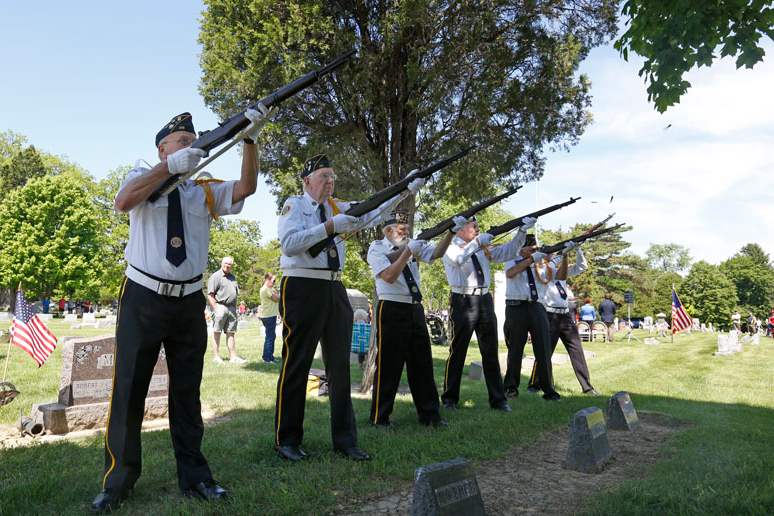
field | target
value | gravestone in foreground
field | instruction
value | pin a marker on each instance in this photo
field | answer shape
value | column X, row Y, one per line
column 589, row 449
column 86, row 384
column 621, row 414
column 476, row 370
column 446, row 488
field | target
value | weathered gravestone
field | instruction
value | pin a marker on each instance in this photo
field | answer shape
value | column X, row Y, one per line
column 87, row 382
column 723, row 346
column 5, row 316
column 589, row 449
column 476, row 370
column 446, row 488
column 620, row 412
column 71, row 318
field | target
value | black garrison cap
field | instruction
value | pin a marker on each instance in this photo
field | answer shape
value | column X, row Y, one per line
column 182, row 122
column 315, row 163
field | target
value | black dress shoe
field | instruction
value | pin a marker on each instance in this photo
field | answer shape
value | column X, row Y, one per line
column 208, row 490
column 503, row 407
column 436, row 423
column 533, row 389
column 591, row 392
column 354, row 453
column 108, row 500
column 291, row 453
column 552, row 396
column 450, row 405
column 512, row 393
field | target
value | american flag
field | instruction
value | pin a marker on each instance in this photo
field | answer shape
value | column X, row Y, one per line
column 29, row 333
column 680, row 318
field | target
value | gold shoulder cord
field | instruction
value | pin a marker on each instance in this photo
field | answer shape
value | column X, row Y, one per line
column 549, row 273
column 209, row 197
column 334, row 207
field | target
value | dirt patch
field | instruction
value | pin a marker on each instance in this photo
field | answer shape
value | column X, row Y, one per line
column 531, row 479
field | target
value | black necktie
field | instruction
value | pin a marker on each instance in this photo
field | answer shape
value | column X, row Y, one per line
column 479, row 271
column 175, row 232
column 531, row 281
column 331, row 252
column 561, row 290
column 416, row 295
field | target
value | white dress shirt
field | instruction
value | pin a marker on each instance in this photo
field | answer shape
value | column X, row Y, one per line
column 552, row 298
column 460, row 271
column 147, row 246
column 398, row 290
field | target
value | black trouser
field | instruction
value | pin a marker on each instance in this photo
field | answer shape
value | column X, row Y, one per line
column 314, row 310
column 145, row 321
column 562, row 326
column 470, row 313
column 402, row 338
column 527, row 317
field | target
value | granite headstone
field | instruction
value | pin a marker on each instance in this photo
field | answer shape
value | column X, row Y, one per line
column 620, row 412
column 589, row 449
column 447, row 488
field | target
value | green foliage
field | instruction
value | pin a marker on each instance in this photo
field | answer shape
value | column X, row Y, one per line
column 668, row 257
column 753, row 277
column 674, row 36
column 429, row 77
column 50, row 238
column 116, row 233
column 20, row 168
column 709, row 294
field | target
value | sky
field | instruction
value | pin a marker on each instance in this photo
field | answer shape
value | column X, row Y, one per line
column 94, row 81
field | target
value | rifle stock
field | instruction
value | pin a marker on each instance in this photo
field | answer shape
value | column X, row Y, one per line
column 514, row 223
column 548, row 249
column 226, row 130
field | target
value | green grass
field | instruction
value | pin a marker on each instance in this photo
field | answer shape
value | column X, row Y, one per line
column 723, row 463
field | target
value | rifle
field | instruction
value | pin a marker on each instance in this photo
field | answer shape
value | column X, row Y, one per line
column 232, row 127
column 514, row 223
column 446, row 224
column 548, row 249
column 382, row 196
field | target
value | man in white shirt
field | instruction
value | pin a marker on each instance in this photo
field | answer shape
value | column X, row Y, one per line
column 315, row 308
column 161, row 301
column 472, row 309
column 556, row 296
column 402, row 336
column 524, row 313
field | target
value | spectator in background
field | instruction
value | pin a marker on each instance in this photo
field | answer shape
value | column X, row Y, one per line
column 607, row 310
column 269, row 312
column 222, row 292
column 771, row 323
column 587, row 312
column 62, row 305
column 736, row 321
column 242, row 310
column 361, row 334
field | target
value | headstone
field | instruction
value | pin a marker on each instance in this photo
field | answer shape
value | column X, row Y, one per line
column 86, row 384
column 88, row 318
column 447, row 488
column 589, row 449
column 621, row 414
column 475, row 371
column 734, row 342
column 5, row 316
column 242, row 325
column 71, row 317
column 756, row 339
column 651, row 341
column 45, row 317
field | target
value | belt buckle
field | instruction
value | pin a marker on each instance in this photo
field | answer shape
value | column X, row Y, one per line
column 168, row 289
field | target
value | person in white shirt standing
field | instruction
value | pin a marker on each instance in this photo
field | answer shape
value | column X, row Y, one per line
column 402, row 336
column 161, row 302
column 561, row 324
column 472, row 309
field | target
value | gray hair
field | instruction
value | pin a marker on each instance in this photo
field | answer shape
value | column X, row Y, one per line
column 360, row 315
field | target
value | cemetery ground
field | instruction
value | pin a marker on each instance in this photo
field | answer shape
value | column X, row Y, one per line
column 719, row 458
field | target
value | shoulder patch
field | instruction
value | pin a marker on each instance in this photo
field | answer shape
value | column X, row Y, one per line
column 285, row 209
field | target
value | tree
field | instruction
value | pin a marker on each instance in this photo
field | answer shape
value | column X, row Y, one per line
column 675, row 36
column 753, row 278
column 20, row 168
column 668, row 257
column 429, row 78
column 709, row 294
column 757, row 254
column 50, row 238
column 116, row 233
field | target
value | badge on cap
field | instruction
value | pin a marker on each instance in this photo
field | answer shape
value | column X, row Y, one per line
column 175, row 242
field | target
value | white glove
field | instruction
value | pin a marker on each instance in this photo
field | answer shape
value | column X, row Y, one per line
column 485, row 239
column 527, row 223
column 416, row 184
column 537, row 256
column 345, row 223
column 569, row 246
column 184, row 160
column 258, row 118
column 416, row 246
column 459, row 223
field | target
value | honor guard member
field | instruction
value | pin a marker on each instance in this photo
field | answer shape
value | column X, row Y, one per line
column 161, row 302
column 524, row 313
column 561, row 325
column 315, row 308
column 467, row 270
column 402, row 336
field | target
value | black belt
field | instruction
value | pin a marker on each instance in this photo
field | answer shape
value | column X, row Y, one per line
column 517, row 302
column 163, row 280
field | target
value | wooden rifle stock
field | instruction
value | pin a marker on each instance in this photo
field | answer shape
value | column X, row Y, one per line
column 514, row 223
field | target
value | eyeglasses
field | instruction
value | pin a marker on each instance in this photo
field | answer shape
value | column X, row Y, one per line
column 185, row 141
column 328, row 176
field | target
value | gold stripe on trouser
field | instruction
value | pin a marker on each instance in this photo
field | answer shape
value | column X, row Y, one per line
column 534, row 371
column 283, row 289
column 378, row 361
column 113, row 388
column 451, row 349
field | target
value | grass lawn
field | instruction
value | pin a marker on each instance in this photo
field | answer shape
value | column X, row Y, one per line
column 723, row 464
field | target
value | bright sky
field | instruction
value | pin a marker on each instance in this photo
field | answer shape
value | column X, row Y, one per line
column 94, row 81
